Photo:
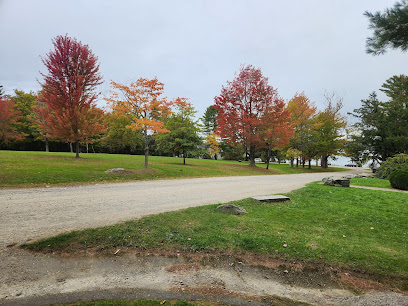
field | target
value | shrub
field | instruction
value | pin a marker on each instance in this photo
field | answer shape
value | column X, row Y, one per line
column 399, row 179
column 399, row 161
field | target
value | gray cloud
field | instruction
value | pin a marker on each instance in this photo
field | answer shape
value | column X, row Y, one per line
column 194, row 47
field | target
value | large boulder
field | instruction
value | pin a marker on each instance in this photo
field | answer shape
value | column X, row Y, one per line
column 232, row 209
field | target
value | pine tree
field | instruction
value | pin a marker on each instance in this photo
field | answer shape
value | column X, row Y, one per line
column 390, row 29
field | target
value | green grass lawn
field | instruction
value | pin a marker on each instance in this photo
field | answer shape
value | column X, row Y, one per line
column 39, row 168
column 370, row 182
column 356, row 228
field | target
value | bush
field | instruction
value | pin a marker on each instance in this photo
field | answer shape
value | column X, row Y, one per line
column 399, row 161
column 399, row 179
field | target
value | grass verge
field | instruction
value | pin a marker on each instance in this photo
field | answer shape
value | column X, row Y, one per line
column 40, row 168
column 356, row 228
column 370, row 182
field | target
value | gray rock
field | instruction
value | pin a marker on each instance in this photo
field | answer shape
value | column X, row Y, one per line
column 232, row 209
column 115, row 170
column 337, row 182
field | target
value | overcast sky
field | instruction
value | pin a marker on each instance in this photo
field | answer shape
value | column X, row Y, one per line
column 194, row 46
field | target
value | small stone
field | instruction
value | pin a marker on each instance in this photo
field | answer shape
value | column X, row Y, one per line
column 285, row 245
column 232, row 209
column 371, row 228
column 286, row 271
column 19, row 293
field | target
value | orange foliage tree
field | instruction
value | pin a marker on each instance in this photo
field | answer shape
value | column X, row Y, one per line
column 143, row 104
column 9, row 117
column 302, row 113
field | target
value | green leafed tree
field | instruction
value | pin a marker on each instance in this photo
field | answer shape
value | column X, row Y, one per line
column 329, row 125
column 183, row 137
column 209, row 119
column 119, row 137
column 25, row 103
column 390, row 29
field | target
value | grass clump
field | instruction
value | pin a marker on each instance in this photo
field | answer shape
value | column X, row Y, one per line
column 370, row 182
column 41, row 168
column 357, row 228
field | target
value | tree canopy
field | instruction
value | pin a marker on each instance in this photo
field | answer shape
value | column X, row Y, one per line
column 142, row 102
column 9, row 121
column 390, row 29
column 382, row 126
column 243, row 106
column 68, row 93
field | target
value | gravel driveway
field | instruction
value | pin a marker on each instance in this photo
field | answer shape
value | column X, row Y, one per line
column 34, row 213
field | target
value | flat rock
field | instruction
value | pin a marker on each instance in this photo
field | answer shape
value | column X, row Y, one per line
column 232, row 209
column 272, row 198
column 115, row 170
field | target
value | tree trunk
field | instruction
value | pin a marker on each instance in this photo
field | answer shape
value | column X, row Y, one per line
column 70, row 148
column 317, row 162
column 297, row 162
column 252, row 156
column 47, row 145
column 303, row 162
column 146, row 149
column 87, row 148
column 184, row 158
column 310, row 164
column 77, row 149
column 291, row 162
column 268, row 157
column 324, row 161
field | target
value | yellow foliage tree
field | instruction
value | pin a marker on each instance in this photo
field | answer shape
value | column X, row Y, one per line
column 213, row 144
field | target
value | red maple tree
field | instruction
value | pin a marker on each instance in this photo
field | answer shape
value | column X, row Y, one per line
column 68, row 93
column 9, row 117
column 245, row 109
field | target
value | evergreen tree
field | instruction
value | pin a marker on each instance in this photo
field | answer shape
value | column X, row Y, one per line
column 382, row 126
column 390, row 29
column 209, row 119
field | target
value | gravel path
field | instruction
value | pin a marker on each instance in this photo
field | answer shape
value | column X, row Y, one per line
column 34, row 213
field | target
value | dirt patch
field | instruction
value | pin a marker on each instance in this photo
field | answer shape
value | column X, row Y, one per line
column 182, row 268
column 288, row 271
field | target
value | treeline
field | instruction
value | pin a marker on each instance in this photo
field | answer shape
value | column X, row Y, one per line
column 248, row 119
